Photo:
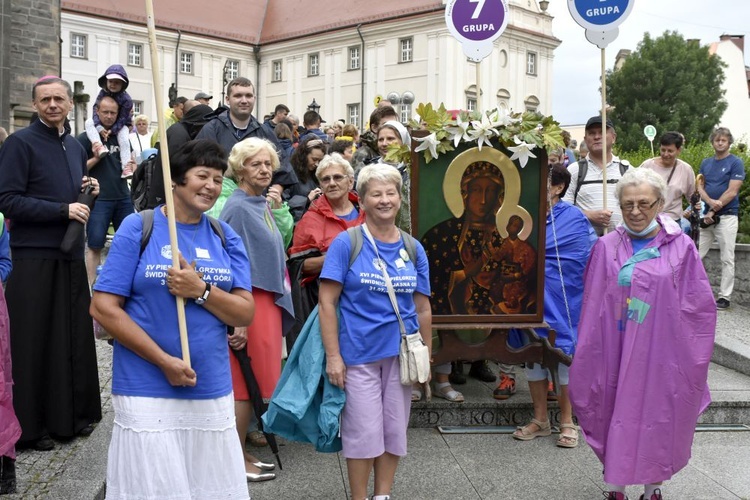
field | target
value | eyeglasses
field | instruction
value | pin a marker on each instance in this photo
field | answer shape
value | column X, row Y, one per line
column 335, row 178
column 643, row 206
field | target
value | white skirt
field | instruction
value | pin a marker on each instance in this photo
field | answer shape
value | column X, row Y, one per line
column 175, row 449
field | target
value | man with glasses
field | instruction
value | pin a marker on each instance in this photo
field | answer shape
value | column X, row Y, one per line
column 723, row 174
column 586, row 191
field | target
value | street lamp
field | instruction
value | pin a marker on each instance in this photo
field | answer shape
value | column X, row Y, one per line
column 313, row 106
column 405, row 100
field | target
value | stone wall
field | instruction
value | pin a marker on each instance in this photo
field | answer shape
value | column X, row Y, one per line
column 741, row 294
column 29, row 49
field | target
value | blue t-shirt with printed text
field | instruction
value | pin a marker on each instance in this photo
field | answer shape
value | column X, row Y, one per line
column 717, row 174
column 368, row 329
column 142, row 281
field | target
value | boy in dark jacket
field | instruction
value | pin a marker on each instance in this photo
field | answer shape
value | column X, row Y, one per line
column 113, row 82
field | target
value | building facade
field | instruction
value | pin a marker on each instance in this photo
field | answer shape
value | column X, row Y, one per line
column 29, row 49
column 731, row 49
column 342, row 60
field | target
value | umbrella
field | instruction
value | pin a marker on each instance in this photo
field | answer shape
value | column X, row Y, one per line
column 253, row 390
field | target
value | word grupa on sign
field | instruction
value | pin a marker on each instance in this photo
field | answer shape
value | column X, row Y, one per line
column 602, row 11
column 478, row 28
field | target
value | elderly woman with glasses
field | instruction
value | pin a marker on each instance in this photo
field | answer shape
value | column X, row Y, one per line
column 330, row 214
column 305, row 160
column 645, row 338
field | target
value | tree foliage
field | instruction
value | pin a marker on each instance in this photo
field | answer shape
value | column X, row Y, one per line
column 668, row 82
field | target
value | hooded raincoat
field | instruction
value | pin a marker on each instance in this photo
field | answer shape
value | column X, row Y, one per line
column 645, row 339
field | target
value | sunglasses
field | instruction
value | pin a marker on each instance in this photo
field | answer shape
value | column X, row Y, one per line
column 335, row 178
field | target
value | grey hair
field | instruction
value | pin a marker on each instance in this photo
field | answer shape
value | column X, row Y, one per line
column 377, row 172
column 722, row 132
column 638, row 176
column 248, row 148
column 334, row 160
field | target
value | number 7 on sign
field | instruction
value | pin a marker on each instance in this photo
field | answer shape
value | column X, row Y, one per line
column 478, row 10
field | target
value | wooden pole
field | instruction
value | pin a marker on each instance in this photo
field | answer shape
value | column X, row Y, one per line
column 164, row 149
column 604, row 135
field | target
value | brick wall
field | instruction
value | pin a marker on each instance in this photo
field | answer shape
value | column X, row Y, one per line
column 29, row 49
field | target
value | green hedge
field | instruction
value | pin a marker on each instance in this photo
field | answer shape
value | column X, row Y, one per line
column 694, row 155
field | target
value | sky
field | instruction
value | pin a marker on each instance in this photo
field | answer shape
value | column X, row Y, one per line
column 577, row 64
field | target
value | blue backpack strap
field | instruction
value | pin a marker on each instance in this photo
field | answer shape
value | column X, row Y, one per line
column 355, row 238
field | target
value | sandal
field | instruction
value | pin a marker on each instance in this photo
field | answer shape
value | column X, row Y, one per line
column 445, row 391
column 565, row 441
column 525, row 434
column 416, row 394
column 257, row 439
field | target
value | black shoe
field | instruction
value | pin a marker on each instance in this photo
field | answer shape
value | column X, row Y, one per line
column 457, row 376
column 722, row 304
column 86, row 431
column 44, row 443
column 480, row 371
column 7, row 476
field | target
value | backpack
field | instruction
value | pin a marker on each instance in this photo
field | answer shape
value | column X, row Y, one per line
column 583, row 168
column 355, row 237
column 142, row 188
column 147, row 217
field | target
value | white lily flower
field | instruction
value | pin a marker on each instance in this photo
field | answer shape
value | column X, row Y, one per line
column 428, row 143
column 483, row 131
column 503, row 119
column 522, row 152
column 459, row 131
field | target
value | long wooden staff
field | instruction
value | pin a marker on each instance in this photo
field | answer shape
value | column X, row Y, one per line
column 166, row 173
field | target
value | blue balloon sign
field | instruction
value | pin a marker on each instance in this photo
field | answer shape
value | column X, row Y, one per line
column 600, row 15
column 600, row 18
column 476, row 24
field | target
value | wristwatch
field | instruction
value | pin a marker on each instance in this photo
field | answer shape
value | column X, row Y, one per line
column 203, row 298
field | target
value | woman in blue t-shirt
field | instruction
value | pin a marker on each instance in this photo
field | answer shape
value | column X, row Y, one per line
column 174, row 432
column 362, row 350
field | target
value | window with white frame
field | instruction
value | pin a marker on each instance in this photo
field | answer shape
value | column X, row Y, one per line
column 354, row 58
column 406, row 53
column 471, row 103
column 135, row 54
column 531, row 63
column 186, row 63
column 233, row 69
column 352, row 110
column 78, row 45
column 277, row 67
column 313, row 64
column 405, row 113
column 137, row 108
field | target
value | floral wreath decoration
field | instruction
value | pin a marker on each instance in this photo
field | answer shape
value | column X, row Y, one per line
column 518, row 132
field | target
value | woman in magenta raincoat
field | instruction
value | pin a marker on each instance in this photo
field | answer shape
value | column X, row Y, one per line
column 638, row 380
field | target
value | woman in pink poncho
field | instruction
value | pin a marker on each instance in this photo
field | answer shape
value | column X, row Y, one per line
column 638, row 380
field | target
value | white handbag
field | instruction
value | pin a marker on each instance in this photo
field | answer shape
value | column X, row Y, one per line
column 413, row 353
